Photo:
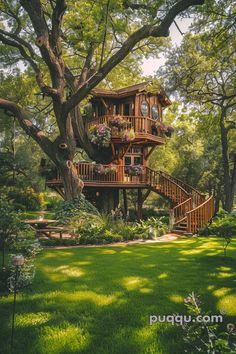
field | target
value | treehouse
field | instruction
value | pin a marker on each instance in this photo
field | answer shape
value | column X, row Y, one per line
column 130, row 122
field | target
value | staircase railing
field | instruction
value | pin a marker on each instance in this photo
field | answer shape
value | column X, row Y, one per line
column 200, row 216
column 197, row 197
column 164, row 185
column 181, row 209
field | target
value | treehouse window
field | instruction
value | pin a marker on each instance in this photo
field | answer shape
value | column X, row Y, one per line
column 116, row 109
column 144, row 108
column 134, row 160
column 155, row 112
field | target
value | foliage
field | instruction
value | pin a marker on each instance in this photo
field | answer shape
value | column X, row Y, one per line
column 223, row 225
column 10, row 225
column 105, row 170
column 95, row 229
column 67, row 209
column 134, row 170
column 26, row 199
column 100, row 135
column 204, row 336
column 119, row 122
column 128, row 135
column 29, row 248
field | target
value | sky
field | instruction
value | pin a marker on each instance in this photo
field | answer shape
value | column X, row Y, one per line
column 151, row 65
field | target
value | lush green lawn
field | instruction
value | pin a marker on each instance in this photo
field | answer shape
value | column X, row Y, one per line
column 98, row 300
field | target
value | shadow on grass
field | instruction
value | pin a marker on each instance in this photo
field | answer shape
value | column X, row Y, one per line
column 99, row 300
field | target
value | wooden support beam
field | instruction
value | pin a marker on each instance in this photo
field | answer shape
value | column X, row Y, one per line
column 140, row 204
column 125, row 203
column 150, row 151
column 146, row 195
column 126, row 150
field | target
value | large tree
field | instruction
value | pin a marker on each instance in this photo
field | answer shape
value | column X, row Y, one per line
column 202, row 70
column 71, row 46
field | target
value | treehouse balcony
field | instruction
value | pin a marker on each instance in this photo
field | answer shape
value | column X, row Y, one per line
column 98, row 175
column 133, row 129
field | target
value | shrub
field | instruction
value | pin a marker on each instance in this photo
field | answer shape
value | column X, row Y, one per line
column 223, row 225
column 101, row 229
column 9, row 225
column 26, row 199
column 68, row 209
column 29, row 248
column 206, row 337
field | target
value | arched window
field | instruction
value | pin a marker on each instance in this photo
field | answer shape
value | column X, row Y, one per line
column 155, row 112
column 144, row 108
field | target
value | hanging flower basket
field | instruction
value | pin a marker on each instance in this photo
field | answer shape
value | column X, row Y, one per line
column 128, row 135
column 119, row 122
column 100, row 135
column 169, row 131
column 134, row 170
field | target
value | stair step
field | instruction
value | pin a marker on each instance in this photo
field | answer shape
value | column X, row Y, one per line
column 178, row 232
column 178, row 227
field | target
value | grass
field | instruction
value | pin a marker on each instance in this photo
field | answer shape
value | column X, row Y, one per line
column 98, row 300
column 35, row 215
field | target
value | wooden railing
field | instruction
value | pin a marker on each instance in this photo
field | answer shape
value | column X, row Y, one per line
column 90, row 172
column 197, row 197
column 200, row 216
column 181, row 209
column 140, row 124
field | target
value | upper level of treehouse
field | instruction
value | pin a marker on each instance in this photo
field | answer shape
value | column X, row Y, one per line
column 134, row 114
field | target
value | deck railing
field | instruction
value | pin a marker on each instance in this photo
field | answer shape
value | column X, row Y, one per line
column 90, row 172
column 200, row 216
column 141, row 125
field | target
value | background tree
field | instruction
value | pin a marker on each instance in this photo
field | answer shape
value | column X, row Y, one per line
column 69, row 58
column 203, row 73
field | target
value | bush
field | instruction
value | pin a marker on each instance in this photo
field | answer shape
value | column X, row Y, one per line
column 68, row 209
column 59, row 242
column 222, row 225
column 148, row 213
column 101, row 229
column 29, row 248
column 26, row 199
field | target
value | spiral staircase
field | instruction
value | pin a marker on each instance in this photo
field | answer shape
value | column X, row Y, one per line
column 192, row 209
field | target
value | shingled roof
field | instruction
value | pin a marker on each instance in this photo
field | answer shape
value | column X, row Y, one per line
column 125, row 91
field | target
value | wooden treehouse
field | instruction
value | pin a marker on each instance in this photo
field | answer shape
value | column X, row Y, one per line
column 130, row 121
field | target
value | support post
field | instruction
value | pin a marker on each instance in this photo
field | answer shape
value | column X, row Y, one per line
column 125, row 203
column 140, row 204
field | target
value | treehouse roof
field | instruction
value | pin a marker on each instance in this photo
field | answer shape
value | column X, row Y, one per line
column 130, row 91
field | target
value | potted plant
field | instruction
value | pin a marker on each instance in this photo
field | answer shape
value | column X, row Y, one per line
column 100, row 135
column 128, row 135
column 170, row 130
column 119, row 122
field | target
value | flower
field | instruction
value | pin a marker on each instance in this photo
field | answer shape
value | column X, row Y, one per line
column 128, row 135
column 100, row 135
column 119, row 122
column 134, row 170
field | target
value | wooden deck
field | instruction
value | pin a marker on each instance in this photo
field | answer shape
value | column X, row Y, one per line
column 142, row 127
column 191, row 208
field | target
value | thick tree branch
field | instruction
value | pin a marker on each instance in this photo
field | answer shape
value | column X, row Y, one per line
column 55, row 64
column 162, row 30
column 26, row 124
column 57, row 17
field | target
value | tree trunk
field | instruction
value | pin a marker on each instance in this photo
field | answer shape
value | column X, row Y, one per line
column 3, row 254
column 105, row 199
column 73, row 186
column 226, row 168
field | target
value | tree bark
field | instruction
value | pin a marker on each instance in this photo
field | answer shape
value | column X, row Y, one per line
column 229, row 184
